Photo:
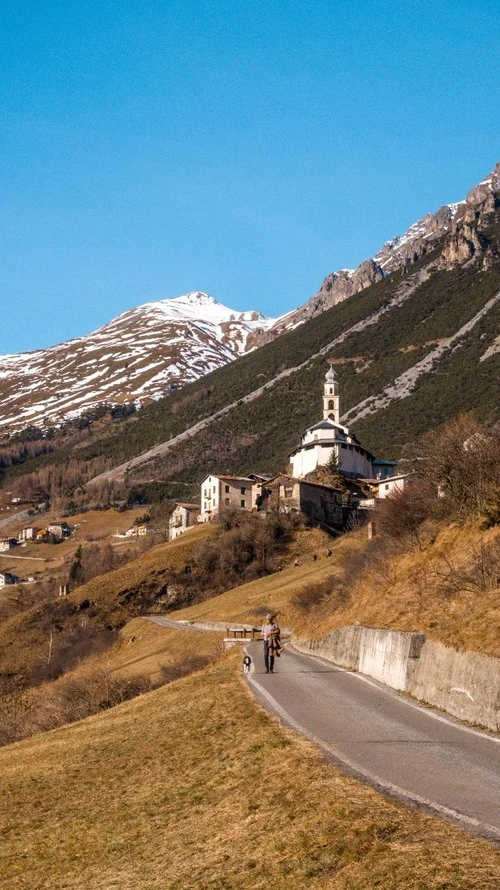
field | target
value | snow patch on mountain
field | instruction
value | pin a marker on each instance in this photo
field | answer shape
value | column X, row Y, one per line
column 137, row 358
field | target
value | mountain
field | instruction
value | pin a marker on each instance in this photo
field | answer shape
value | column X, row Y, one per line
column 140, row 356
column 155, row 349
column 412, row 350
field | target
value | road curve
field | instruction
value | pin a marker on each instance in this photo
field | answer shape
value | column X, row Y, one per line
column 412, row 753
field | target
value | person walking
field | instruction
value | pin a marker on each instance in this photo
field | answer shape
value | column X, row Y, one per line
column 272, row 642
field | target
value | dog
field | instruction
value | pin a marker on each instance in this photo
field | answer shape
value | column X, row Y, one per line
column 247, row 661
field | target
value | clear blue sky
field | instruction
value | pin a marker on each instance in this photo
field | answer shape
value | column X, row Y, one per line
column 242, row 147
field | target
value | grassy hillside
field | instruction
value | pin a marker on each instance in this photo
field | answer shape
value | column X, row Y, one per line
column 436, row 589
column 193, row 786
column 73, row 627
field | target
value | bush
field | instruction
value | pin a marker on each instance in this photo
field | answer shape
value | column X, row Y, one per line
column 247, row 547
column 461, row 462
column 330, row 591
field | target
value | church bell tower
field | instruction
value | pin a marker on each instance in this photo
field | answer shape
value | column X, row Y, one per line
column 331, row 397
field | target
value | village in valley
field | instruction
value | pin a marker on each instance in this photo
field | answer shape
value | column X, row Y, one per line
column 360, row 479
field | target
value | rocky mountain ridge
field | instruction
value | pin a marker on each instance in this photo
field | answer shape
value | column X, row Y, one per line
column 453, row 224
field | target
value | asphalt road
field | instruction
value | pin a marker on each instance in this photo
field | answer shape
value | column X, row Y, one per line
column 412, row 753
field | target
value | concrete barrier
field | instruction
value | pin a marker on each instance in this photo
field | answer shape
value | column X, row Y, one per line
column 389, row 656
column 464, row 684
column 341, row 646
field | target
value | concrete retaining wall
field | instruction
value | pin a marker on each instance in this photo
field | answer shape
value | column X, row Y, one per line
column 340, row 646
column 389, row 656
column 465, row 684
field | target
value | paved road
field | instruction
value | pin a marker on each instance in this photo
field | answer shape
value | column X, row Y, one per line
column 394, row 744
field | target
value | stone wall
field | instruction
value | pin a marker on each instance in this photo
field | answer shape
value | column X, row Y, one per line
column 464, row 684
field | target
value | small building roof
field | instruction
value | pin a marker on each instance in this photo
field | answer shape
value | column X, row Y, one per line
column 227, row 478
column 187, row 506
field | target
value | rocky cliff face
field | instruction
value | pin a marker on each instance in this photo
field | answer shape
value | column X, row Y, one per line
column 456, row 228
column 467, row 240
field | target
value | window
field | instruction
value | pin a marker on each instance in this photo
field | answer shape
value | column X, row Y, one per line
column 386, row 487
column 330, row 405
column 214, row 489
column 243, row 502
column 227, row 501
column 227, row 489
column 243, row 489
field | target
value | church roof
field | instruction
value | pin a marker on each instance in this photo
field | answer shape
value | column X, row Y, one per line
column 328, row 424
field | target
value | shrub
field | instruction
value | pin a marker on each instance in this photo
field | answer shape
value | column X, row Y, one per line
column 312, row 596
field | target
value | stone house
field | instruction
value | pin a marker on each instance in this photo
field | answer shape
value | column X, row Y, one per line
column 322, row 504
column 228, row 491
column 183, row 516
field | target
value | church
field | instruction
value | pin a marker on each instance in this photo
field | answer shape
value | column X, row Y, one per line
column 329, row 437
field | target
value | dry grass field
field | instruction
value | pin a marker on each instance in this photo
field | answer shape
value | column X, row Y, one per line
column 194, row 787
column 46, row 561
column 21, row 635
column 408, row 589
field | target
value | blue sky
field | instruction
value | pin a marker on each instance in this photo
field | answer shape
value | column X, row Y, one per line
column 242, row 148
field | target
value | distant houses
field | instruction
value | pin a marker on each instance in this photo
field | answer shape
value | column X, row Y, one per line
column 138, row 531
column 28, row 534
column 385, row 488
column 59, row 530
column 7, row 544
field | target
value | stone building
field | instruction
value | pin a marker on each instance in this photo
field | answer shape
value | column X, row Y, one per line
column 183, row 517
column 228, row 491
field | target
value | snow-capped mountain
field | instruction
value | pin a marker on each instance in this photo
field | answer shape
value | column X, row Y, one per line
column 138, row 357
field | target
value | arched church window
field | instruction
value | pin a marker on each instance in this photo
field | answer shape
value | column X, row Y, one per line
column 331, row 417
column 331, row 405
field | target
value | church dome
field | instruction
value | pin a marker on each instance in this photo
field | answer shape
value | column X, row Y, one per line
column 330, row 376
